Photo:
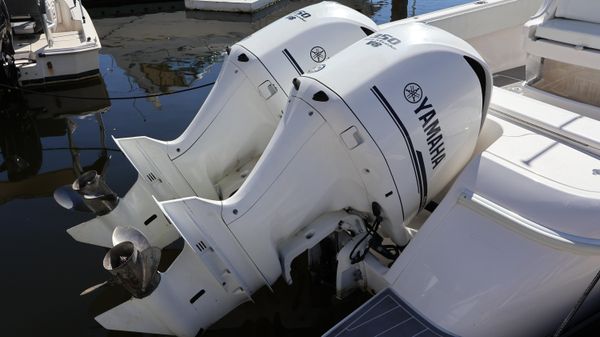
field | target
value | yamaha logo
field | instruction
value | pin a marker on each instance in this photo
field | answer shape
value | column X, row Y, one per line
column 318, row 54
column 413, row 93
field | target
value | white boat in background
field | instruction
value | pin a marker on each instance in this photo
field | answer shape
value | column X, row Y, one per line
column 470, row 210
column 53, row 40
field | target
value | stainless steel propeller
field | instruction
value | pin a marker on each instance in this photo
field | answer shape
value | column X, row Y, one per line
column 132, row 263
column 88, row 193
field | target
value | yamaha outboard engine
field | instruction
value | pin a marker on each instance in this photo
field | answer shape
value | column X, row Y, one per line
column 367, row 138
column 220, row 147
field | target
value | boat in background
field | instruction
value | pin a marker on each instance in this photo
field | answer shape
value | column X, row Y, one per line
column 113, row 3
column 469, row 210
column 53, row 40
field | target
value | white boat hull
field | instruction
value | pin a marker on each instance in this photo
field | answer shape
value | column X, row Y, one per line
column 61, row 67
column 66, row 52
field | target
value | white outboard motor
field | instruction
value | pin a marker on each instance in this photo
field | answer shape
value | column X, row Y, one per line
column 379, row 129
column 213, row 157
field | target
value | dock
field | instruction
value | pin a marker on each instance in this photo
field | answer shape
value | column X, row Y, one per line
column 239, row 6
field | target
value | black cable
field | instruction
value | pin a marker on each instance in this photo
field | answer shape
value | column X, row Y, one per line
column 107, row 98
column 81, row 149
column 376, row 241
column 359, row 257
column 371, row 231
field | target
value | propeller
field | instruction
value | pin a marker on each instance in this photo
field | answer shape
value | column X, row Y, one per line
column 132, row 263
column 88, row 193
column 122, row 234
column 94, row 288
column 66, row 197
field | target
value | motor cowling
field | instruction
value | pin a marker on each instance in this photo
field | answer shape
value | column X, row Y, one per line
column 250, row 95
column 418, row 100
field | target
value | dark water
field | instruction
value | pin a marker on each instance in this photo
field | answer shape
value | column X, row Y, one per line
column 46, row 141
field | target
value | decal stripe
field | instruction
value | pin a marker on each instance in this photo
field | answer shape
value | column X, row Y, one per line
column 411, row 150
column 423, row 179
column 293, row 61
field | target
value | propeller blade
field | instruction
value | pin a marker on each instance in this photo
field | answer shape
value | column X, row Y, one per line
column 69, row 199
column 150, row 262
column 93, row 288
column 122, row 234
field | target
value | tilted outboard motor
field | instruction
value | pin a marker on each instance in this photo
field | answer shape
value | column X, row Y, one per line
column 380, row 128
column 213, row 157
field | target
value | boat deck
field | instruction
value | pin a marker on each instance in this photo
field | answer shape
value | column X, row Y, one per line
column 70, row 39
column 570, row 81
column 27, row 47
column 509, row 77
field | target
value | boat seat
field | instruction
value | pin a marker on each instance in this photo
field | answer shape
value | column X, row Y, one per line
column 574, row 32
column 582, row 10
column 567, row 31
column 23, row 27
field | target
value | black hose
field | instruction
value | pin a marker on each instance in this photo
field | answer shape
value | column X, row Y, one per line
column 376, row 241
column 81, row 149
column 33, row 92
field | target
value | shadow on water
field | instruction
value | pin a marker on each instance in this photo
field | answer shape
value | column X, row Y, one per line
column 48, row 139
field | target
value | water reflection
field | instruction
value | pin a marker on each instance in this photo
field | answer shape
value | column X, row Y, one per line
column 114, row 8
column 27, row 118
column 162, row 52
column 399, row 10
column 172, row 73
column 166, row 50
